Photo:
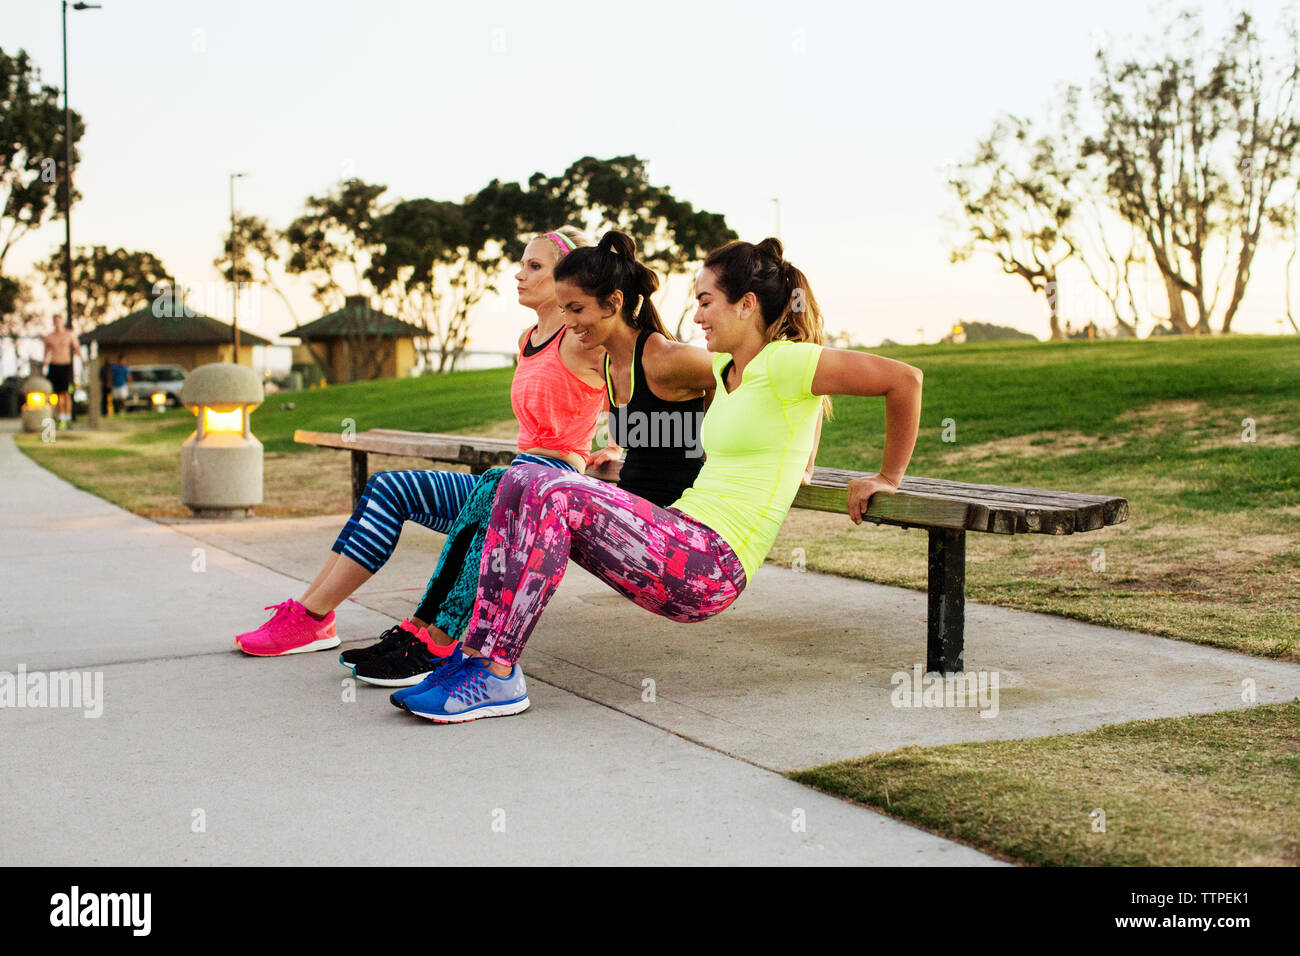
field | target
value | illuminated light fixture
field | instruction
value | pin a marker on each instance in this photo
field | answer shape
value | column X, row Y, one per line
column 39, row 403
column 159, row 400
column 221, row 462
column 231, row 423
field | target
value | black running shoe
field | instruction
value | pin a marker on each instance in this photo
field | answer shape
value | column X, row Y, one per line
column 408, row 663
column 390, row 640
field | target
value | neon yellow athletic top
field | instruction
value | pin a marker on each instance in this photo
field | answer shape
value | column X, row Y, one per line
column 756, row 440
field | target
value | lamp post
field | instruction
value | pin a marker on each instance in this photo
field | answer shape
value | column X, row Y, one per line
column 234, row 272
column 67, row 159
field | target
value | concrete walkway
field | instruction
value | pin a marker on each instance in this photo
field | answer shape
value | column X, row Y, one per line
column 203, row 755
column 285, row 766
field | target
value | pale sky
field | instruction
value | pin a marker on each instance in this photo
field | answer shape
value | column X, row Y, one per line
column 846, row 112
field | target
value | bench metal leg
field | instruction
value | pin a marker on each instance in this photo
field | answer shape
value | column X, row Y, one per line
column 947, row 592
column 360, row 474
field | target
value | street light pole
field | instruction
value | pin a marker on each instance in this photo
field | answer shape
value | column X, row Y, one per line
column 67, row 161
column 234, row 271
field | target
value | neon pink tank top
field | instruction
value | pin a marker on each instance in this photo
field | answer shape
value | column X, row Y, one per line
column 556, row 409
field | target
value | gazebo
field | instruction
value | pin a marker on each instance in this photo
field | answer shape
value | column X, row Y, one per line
column 358, row 343
column 188, row 339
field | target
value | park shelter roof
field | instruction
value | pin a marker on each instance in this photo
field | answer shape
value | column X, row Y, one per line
column 347, row 322
column 142, row 327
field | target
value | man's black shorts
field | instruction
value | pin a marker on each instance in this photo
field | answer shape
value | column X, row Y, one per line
column 60, row 377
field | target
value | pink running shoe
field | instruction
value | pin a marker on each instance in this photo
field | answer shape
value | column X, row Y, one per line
column 291, row 630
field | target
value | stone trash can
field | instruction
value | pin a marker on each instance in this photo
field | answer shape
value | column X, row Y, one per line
column 39, row 403
column 221, row 463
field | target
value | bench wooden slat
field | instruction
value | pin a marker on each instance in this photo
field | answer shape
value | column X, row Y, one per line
column 445, row 448
column 1055, row 499
column 1113, row 509
column 988, row 513
column 901, row 509
column 488, row 444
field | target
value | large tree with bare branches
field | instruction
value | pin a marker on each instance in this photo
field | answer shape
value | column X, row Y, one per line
column 1015, row 204
column 1195, row 143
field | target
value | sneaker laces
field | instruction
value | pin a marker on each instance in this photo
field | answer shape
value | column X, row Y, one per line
column 399, row 641
column 451, row 666
column 470, row 686
column 284, row 607
column 401, row 656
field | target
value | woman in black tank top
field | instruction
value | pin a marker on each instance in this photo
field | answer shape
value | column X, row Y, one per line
column 661, row 438
column 662, row 384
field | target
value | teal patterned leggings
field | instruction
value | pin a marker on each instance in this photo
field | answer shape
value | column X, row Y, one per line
column 448, row 600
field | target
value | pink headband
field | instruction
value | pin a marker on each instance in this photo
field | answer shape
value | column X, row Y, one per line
column 562, row 241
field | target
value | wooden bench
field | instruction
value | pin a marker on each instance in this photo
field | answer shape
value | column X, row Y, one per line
column 946, row 509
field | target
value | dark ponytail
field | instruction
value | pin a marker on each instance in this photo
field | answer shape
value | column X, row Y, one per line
column 785, row 299
column 611, row 266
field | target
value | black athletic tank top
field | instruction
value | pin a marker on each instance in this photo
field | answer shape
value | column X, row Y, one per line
column 662, row 439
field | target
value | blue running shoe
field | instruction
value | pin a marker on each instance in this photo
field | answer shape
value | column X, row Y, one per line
column 440, row 673
column 472, row 692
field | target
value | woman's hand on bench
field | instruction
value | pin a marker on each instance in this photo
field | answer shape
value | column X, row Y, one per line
column 860, row 491
column 610, row 452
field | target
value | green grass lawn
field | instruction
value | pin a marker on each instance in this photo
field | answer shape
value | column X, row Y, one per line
column 1214, row 790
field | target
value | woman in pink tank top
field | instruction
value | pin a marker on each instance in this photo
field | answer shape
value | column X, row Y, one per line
column 559, row 386
column 558, row 393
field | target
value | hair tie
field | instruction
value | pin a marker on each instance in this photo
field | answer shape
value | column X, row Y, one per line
column 562, row 241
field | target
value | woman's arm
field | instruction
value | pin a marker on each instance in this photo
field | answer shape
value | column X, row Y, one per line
column 611, row 451
column 843, row 372
column 677, row 367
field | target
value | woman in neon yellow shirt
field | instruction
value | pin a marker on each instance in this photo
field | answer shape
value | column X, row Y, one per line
column 691, row 560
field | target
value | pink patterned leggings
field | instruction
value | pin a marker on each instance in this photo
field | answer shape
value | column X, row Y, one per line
column 660, row 558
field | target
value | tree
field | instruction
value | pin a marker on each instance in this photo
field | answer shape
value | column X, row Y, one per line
column 31, row 152
column 672, row 237
column 1194, row 146
column 1265, row 142
column 259, row 247
column 338, row 234
column 1105, row 246
column 1184, row 169
column 20, row 315
column 106, row 285
column 1160, row 122
column 431, row 270
column 1290, row 260
column 1014, row 198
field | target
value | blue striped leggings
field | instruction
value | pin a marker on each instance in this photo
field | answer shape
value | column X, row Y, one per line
column 431, row 498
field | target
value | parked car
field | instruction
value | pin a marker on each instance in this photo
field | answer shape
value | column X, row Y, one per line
column 148, row 381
